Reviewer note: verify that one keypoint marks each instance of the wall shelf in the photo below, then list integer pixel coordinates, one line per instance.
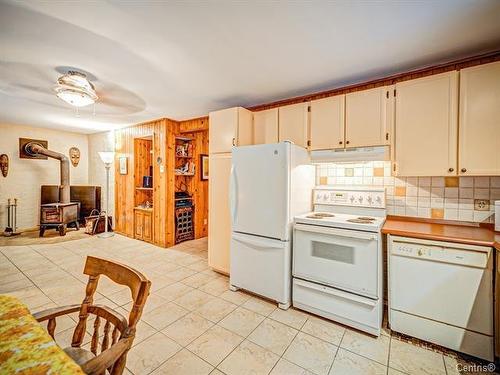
(144, 188)
(185, 174)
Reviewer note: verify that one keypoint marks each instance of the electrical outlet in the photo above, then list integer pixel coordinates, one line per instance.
(205, 222)
(481, 205)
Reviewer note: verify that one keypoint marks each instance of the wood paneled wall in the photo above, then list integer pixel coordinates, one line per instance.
(386, 81)
(163, 132)
(198, 130)
(194, 125)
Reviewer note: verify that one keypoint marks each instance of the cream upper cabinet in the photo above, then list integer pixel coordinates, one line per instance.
(327, 123)
(367, 118)
(426, 126)
(293, 123)
(265, 126)
(230, 127)
(479, 120)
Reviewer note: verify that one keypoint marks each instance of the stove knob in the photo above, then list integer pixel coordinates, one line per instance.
(352, 198)
(360, 199)
(325, 197)
(369, 199)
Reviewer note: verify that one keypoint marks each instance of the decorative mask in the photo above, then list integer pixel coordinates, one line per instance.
(4, 164)
(74, 155)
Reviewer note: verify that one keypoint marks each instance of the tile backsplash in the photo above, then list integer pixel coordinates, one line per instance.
(450, 198)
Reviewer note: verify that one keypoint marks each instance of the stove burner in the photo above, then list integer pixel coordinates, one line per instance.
(362, 220)
(319, 215)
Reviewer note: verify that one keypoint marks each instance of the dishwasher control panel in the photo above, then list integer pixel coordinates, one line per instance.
(413, 249)
(446, 253)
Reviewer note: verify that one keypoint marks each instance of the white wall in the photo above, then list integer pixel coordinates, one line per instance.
(97, 173)
(27, 175)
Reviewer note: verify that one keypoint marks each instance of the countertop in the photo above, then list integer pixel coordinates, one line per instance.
(466, 233)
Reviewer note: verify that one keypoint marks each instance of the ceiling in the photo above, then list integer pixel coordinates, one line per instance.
(182, 59)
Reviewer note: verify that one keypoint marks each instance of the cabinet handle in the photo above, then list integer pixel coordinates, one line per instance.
(346, 142)
(234, 141)
(340, 142)
(463, 170)
(450, 169)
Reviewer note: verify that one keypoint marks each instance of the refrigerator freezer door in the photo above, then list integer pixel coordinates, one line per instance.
(260, 192)
(262, 266)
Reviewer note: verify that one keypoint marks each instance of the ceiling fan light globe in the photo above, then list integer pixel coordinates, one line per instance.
(75, 89)
(74, 98)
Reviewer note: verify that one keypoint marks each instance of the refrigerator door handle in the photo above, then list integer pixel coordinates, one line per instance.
(233, 199)
(256, 242)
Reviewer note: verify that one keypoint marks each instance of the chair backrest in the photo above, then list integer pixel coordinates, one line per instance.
(123, 275)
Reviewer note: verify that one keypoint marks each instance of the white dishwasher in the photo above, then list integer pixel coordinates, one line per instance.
(442, 292)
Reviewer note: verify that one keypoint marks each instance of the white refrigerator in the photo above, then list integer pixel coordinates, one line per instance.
(269, 185)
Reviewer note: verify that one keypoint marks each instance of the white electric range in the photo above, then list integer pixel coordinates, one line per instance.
(337, 257)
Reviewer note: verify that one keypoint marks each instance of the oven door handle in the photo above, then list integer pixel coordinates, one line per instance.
(338, 293)
(336, 232)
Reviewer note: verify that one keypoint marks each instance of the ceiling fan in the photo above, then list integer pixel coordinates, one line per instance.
(35, 83)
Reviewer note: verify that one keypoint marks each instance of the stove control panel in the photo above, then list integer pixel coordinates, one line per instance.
(355, 198)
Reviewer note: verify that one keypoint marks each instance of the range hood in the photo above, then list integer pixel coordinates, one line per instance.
(378, 153)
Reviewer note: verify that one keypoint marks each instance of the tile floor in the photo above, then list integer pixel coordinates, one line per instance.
(193, 324)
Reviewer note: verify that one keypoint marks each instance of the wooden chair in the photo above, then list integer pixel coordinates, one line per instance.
(113, 351)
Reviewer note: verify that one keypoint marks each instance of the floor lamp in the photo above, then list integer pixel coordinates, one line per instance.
(107, 158)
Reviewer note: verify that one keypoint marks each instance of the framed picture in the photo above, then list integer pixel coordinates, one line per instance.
(123, 164)
(204, 166)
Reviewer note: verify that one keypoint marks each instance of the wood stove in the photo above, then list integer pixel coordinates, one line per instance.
(59, 216)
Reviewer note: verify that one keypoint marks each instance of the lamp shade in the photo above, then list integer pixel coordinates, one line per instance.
(107, 157)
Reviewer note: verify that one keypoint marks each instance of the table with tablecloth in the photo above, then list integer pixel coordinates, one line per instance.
(26, 347)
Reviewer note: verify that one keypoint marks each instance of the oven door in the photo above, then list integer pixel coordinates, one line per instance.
(341, 258)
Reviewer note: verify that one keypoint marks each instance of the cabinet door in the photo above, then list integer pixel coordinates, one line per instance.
(327, 123)
(219, 221)
(245, 127)
(265, 126)
(479, 127)
(293, 121)
(229, 127)
(366, 118)
(223, 130)
(426, 126)
(147, 227)
(138, 224)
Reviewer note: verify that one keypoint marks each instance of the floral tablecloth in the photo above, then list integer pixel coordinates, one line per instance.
(25, 346)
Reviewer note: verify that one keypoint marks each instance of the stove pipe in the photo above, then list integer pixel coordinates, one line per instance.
(34, 148)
